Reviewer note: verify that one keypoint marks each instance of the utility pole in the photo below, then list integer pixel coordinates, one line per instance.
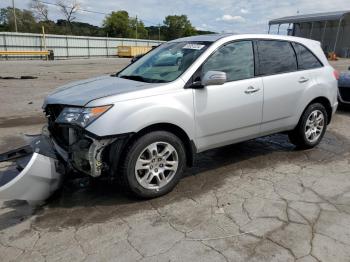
(136, 28)
(159, 32)
(14, 14)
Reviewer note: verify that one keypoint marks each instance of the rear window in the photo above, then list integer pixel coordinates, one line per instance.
(306, 59)
(276, 57)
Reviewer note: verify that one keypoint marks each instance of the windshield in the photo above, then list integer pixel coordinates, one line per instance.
(165, 63)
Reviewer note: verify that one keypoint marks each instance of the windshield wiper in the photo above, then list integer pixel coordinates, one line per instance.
(134, 77)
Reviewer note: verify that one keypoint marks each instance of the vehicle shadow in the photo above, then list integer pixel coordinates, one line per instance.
(79, 203)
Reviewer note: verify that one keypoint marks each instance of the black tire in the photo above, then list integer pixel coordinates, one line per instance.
(131, 154)
(298, 135)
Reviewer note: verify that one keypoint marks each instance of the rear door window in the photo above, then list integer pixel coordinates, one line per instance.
(276, 57)
(306, 59)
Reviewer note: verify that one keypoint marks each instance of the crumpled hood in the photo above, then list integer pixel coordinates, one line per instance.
(82, 92)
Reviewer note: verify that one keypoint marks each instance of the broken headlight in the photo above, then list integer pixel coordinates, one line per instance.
(81, 116)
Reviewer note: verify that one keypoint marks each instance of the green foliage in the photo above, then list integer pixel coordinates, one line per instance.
(120, 24)
(76, 28)
(3, 16)
(116, 24)
(177, 26)
(27, 23)
(25, 20)
(142, 32)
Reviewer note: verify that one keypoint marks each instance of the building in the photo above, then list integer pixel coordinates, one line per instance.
(332, 29)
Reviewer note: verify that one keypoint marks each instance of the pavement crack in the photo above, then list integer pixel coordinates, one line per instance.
(167, 219)
(216, 250)
(80, 245)
(336, 240)
(325, 199)
(165, 251)
(290, 251)
(128, 236)
(222, 237)
(244, 209)
(313, 225)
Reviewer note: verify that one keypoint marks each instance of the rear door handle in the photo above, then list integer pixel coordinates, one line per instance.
(251, 90)
(303, 79)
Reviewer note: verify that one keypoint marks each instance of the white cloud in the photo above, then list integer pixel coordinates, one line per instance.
(249, 16)
(231, 18)
(204, 27)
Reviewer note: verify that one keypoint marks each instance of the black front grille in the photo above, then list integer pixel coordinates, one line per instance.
(53, 111)
(345, 93)
(59, 132)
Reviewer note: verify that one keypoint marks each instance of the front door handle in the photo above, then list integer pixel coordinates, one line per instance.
(251, 90)
(303, 79)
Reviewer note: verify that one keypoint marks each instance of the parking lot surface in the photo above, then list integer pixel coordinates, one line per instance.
(260, 200)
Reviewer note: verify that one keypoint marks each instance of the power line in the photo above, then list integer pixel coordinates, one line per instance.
(80, 9)
(103, 13)
(93, 12)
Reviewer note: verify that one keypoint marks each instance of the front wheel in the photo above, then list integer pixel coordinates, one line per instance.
(153, 164)
(311, 127)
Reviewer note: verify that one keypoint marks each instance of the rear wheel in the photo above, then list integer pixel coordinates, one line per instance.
(311, 127)
(153, 164)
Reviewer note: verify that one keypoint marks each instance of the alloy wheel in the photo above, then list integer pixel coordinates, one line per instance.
(314, 126)
(156, 165)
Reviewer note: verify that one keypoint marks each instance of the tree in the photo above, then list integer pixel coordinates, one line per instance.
(120, 24)
(69, 8)
(3, 16)
(117, 24)
(40, 10)
(25, 20)
(141, 30)
(177, 26)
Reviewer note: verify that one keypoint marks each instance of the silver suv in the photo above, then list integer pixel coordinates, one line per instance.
(145, 124)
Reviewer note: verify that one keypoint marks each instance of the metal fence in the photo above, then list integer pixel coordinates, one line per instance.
(68, 46)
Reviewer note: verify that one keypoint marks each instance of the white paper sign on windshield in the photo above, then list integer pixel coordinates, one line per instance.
(193, 46)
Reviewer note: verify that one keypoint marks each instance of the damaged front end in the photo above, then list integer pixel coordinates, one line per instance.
(81, 150)
(61, 149)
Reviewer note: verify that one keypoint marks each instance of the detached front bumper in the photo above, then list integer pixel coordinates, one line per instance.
(37, 175)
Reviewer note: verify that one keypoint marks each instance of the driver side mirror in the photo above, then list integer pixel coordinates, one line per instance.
(214, 78)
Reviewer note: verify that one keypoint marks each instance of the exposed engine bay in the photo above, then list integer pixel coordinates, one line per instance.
(78, 148)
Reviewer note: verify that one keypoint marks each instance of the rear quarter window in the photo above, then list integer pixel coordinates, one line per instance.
(306, 59)
(276, 57)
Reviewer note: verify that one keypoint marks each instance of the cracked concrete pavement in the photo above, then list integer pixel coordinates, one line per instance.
(260, 200)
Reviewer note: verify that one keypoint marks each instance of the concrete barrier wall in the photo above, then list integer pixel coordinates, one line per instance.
(69, 46)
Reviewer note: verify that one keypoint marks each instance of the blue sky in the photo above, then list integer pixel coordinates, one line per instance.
(249, 16)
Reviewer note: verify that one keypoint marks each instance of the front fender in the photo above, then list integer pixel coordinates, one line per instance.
(131, 116)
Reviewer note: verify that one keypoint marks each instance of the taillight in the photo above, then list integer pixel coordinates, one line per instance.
(336, 74)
